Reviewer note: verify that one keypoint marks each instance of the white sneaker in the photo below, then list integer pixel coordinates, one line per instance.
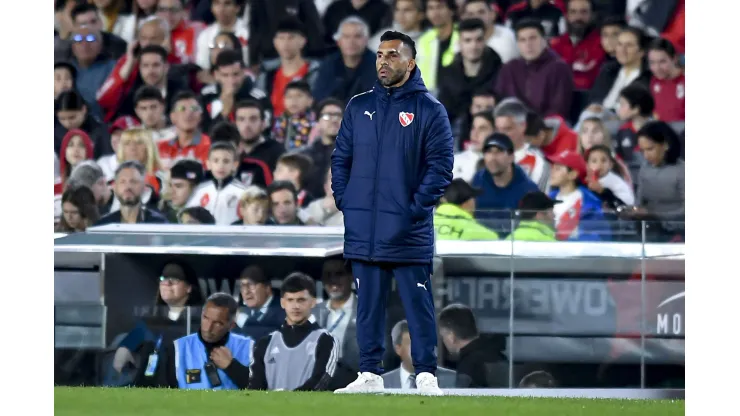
(426, 384)
(366, 383)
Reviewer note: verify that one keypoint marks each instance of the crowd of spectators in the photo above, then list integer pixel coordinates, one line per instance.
(226, 111)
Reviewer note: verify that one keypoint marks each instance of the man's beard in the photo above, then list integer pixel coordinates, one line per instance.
(394, 78)
(252, 140)
(578, 29)
(130, 202)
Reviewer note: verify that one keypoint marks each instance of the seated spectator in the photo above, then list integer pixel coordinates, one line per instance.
(295, 168)
(668, 84)
(474, 67)
(537, 380)
(350, 71)
(497, 37)
(461, 338)
(276, 74)
(189, 141)
(438, 45)
(552, 135)
(58, 189)
(214, 358)
(150, 107)
(614, 191)
(76, 148)
(408, 18)
(615, 76)
(137, 144)
(636, 107)
(183, 32)
(548, 89)
(263, 313)
(227, 17)
(109, 163)
(283, 204)
(580, 47)
(511, 120)
(166, 322)
(293, 127)
(611, 27)
(666, 19)
(330, 113)
(86, 14)
(502, 181)
(338, 313)
(71, 112)
(184, 177)
(254, 206)
(483, 100)
(324, 211)
(195, 216)
(661, 185)
(300, 355)
(453, 218)
(114, 20)
(258, 153)
(469, 161)
(79, 210)
(550, 16)
(89, 174)
(65, 76)
(232, 85)
(93, 65)
(536, 218)
(128, 187)
(376, 13)
(224, 41)
(579, 217)
(593, 132)
(220, 192)
(404, 377)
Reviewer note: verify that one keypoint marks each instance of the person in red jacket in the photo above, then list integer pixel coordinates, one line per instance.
(668, 83)
(183, 32)
(580, 47)
(552, 135)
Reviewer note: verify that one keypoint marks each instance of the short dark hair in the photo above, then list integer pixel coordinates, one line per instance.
(299, 161)
(298, 282)
(662, 133)
(148, 92)
(535, 124)
(488, 115)
(200, 214)
(228, 57)
(223, 131)
(277, 186)
(662, 44)
(639, 96)
(469, 25)
(223, 145)
(290, 25)
(82, 198)
(476, 1)
(69, 101)
(184, 95)
(639, 34)
(251, 104)
(484, 92)
(299, 84)
(404, 38)
(131, 164)
(529, 23)
(614, 20)
(223, 300)
(459, 319)
(82, 8)
(329, 101)
(255, 274)
(154, 49)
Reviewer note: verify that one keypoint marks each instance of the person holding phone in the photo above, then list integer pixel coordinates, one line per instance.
(214, 358)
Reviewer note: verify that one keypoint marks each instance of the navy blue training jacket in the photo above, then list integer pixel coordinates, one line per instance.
(392, 163)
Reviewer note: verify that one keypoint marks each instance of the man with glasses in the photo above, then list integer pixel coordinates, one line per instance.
(86, 14)
(261, 313)
(190, 141)
(330, 113)
(93, 65)
(183, 32)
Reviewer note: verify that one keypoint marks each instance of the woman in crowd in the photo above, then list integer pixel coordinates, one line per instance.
(254, 206)
(124, 25)
(79, 210)
(70, 112)
(137, 143)
(668, 84)
(593, 132)
(76, 148)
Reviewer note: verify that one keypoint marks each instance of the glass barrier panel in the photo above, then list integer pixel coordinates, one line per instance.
(78, 338)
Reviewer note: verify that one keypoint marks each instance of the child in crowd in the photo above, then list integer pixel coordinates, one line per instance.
(636, 107)
(254, 206)
(293, 167)
(185, 176)
(76, 147)
(614, 191)
(593, 132)
(293, 127)
(220, 192)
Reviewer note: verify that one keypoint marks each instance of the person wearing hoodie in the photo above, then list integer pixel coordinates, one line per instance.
(453, 218)
(579, 217)
(220, 192)
(503, 183)
(71, 112)
(76, 148)
(408, 18)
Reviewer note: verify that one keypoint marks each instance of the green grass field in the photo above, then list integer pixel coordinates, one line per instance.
(152, 402)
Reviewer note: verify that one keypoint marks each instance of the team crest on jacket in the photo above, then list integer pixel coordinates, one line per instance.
(204, 200)
(405, 118)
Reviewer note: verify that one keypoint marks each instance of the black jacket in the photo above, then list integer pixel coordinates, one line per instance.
(320, 154)
(146, 216)
(376, 13)
(264, 16)
(270, 321)
(335, 80)
(127, 107)
(293, 335)
(605, 80)
(472, 364)
(112, 44)
(256, 167)
(456, 89)
(95, 128)
(211, 98)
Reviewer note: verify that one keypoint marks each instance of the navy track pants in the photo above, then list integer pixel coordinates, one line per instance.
(414, 284)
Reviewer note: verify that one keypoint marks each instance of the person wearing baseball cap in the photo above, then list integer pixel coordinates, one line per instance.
(503, 182)
(579, 217)
(109, 163)
(453, 218)
(185, 175)
(536, 218)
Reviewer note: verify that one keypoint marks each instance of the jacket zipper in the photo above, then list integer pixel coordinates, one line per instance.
(377, 172)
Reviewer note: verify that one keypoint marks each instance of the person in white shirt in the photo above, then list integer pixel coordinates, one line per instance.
(408, 18)
(510, 116)
(226, 13)
(404, 377)
(220, 192)
(498, 37)
(469, 161)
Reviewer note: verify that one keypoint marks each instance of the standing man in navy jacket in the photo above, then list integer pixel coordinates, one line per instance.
(392, 163)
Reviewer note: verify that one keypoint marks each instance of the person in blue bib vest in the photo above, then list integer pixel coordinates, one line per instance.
(213, 358)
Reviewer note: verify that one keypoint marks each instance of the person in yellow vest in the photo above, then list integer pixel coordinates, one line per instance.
(453, 218)
(437, 46)
(536, 216)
